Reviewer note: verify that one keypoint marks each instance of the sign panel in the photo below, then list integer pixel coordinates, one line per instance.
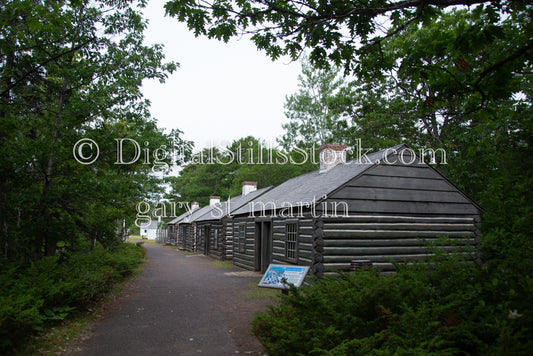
(280, 276)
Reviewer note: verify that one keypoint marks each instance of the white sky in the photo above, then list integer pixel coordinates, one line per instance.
(221, 91)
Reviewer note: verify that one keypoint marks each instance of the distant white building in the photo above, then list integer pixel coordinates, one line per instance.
(149, 230)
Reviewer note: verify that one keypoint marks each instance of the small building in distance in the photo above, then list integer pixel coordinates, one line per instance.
(148, 230)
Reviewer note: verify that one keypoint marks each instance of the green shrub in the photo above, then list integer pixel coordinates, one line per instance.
(42, 293)
(447, 308)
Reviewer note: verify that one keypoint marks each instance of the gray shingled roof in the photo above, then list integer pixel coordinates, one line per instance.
(178, 219)
(152, 225)
(234, 203)
(188, 215)
(195, 214)
(203, 213)
(314, 186)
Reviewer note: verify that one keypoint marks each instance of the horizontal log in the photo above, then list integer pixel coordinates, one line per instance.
(393, 242)
(399, 226)
(378, 258)
(243, 265)
(278, 250)
(243, 256)
(279, 256)
(331, 267)
(352, 234)
(308, 256)
(278, 260)
(304, 261)
(305, 246)
(383, 266)
(400, 207)
(306, 240)
(383, 250)
(307, 220)
(354, 218)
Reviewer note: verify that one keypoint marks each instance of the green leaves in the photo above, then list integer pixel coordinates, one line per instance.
(339, 32)
(71, 71)
(316, 110)
(446, 308)
(220, 172)
(38, 296)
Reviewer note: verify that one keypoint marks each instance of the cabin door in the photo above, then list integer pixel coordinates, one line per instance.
(263, 245)
(207, 239)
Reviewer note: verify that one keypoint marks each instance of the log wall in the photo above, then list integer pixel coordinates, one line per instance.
(243, 254)
(216, 238)
(381, 239)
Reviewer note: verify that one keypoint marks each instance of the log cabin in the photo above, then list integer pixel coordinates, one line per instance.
(378, 208)
(179, 228)
(214, 227)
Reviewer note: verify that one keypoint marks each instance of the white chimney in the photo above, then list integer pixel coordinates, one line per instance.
(331, 155)
(248, 187)
(214, 200)
(195, 205)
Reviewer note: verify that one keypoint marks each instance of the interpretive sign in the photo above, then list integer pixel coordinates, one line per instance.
(281, 276)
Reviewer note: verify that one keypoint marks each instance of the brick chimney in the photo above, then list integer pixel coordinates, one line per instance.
(331, 154)
(248, 187)
(195, 205)
(214, 200)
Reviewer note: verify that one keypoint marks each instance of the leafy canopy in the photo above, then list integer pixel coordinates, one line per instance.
(71, 71)
(220, 172)
(342, 32)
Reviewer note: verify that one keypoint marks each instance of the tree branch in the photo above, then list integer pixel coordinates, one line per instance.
(517, 54)
(51, 59)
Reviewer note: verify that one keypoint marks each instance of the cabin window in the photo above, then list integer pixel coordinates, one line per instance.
(242, 237)
(291, 242)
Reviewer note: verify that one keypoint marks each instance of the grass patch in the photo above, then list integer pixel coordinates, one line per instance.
(186, 252)
(171, 247)
(59, 339)
(255, 292)
(134, 237)
(148, 242)
(221, 264)
(137, 239)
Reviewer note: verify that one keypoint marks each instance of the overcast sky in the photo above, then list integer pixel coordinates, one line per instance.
(222, 91)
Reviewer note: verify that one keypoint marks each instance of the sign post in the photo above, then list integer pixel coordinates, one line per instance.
(282, 276)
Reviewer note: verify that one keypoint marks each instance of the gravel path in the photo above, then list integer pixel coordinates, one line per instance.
(179, 305)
